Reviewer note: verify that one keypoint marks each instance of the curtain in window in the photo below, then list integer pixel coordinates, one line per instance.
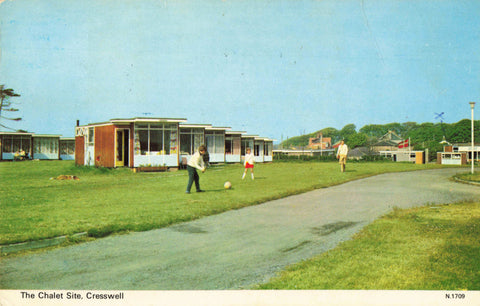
(219, 144)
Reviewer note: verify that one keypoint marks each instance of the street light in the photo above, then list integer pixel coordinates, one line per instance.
(472, 105)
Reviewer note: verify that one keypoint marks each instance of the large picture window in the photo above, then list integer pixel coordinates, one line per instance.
(246, 143)
(268, 149)
(155, 139)
(232, 145)
(67, 147)
(15, 143)
(190, 140)
(215, 142)
(45, 145)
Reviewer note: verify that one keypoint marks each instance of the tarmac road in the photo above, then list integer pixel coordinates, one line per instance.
(236, 249)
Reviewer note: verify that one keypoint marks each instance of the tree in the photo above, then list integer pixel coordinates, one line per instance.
(374, 130)
(356, 140)
(6, 104)
(347, 130)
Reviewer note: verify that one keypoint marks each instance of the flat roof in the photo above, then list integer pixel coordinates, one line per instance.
(16, 133)
(235, 132)
(194, 125)
(218, 128)
(148, 119)
(136, 119)
(46, 135)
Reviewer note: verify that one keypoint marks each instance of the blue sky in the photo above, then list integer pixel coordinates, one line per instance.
(273, 68)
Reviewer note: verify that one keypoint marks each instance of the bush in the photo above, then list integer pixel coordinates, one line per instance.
(289, 158)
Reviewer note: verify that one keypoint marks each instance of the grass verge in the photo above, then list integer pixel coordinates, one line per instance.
(426, 248)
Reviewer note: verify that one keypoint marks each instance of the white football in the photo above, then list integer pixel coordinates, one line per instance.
(227, 185)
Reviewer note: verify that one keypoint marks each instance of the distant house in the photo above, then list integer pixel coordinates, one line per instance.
(388, 142)
(417, 157)
(319, 142)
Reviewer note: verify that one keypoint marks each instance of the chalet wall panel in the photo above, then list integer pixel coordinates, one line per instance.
(105, 146)
(80, 150)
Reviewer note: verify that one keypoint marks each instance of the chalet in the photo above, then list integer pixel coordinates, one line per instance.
(129, 142)
(30, 145)
(14, 142)
(165, 142)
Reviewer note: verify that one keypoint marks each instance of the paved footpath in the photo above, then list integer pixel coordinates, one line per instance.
(236, 249)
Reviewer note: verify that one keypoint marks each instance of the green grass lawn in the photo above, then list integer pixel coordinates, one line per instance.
(426, 248)
(106, 201)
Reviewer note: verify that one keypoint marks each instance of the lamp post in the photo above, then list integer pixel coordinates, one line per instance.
(472, 105)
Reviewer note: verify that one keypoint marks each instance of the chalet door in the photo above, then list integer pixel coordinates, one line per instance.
(121, 150)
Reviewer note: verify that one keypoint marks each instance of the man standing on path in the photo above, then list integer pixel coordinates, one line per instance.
(342, 155)
(196, 162)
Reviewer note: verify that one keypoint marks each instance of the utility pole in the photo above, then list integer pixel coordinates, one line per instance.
(472, 105)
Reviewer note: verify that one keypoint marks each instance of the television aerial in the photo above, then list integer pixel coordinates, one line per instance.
(440, 116)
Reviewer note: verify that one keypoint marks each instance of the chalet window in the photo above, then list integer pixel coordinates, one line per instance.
(257, 150)
(246, 143)
(268, 149)
(215, 142)
(229, 145)
(15, 143)
(91, 136)
(190, 140)
(67, 147)
(155, 139)
(45, 145)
